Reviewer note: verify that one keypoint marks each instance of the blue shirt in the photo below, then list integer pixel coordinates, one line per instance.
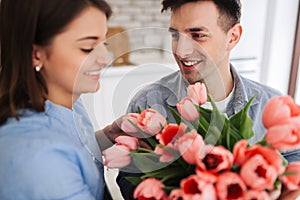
(50, 155)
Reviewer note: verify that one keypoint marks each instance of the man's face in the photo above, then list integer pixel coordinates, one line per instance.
(200, 45)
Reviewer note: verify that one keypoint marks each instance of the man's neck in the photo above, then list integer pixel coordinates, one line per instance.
(220, 84)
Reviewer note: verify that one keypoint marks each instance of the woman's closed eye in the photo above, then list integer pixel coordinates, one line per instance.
(87, 50)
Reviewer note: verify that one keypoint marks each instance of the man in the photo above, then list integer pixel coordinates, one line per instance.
(203, 34)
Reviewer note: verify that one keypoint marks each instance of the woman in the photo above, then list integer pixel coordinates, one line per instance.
(51, 53)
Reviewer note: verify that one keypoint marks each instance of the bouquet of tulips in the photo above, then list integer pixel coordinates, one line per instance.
(206, 155)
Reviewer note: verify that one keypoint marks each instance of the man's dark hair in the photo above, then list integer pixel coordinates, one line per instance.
(229, 10)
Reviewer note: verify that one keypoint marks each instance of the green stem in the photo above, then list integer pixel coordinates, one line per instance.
(145, 150)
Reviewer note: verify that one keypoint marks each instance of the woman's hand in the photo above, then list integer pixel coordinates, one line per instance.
(106, 137)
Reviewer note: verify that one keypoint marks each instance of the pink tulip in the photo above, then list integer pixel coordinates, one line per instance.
(292, 181)
(130, 142)
(257, 195)
(239, 150)
(170, 133)
(230, 186)
(206, 175)
(189, 146)
(175, 194)
(272, 157)
(165, 155)
(258, 174)
(193, 187)
(126, 126)
(150, 188)
(187, 109)
(215, 159)
(117, 156)
(285, 136)
(151, 121)
(279, 109)
(197, 92)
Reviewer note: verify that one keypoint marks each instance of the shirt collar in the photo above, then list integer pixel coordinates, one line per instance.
(241, 97)
(178, 87)
(59, 112)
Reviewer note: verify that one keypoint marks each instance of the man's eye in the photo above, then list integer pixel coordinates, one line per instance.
(86, 50)
(175, 35)
(197, 35)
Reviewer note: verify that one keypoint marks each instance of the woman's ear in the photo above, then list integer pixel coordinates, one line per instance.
(234, 35)
(37, 56)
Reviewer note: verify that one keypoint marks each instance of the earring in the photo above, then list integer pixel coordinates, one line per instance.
(38, 68)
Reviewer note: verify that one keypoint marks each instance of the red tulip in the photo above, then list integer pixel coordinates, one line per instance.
(175, 194)
(193, 187)
(170, 133)
(272, 157)
(258, 174)
(215, 159)
(230, 186)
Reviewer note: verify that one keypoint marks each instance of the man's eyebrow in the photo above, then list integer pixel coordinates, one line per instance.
(196, 29)
(172, 30)
(190, 30)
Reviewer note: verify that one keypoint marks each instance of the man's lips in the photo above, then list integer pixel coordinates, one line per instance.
(189, 64)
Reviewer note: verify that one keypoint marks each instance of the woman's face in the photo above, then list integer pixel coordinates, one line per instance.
(72, 63)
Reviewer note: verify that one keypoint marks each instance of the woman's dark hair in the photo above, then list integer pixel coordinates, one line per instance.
(23, 24)
(229, 10)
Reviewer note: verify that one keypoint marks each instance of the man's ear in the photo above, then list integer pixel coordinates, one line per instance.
(234, 35)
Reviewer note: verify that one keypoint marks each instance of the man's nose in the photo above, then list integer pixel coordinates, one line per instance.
(183, 47)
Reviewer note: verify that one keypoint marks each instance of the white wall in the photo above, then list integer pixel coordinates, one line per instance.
(279, 41)
(297, 93)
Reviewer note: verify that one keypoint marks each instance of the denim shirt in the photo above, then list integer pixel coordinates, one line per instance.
(50, 155)
(169, 90)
